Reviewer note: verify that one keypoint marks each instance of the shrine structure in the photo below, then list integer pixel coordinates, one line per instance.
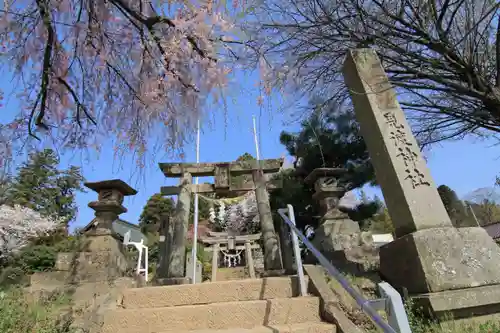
(173, 267)
(222, 242)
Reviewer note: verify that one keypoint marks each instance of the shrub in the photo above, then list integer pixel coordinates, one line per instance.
(40, 256)
(10, 276)
(207, 271)
(19, 313)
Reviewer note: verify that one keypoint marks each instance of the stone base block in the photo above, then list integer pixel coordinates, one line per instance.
(462, 305)
(171, 281)
(60, 278)
(102, 241)
(91, 261)
(336, 235)
(102, 253)
(274, 273)
(440, 259)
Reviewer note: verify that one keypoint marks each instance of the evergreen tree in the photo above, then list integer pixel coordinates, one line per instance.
(367, 209)
(455, 208)
(203, 207)
(297, 194)
(329, 138)
(487, 212)
(448, 196)
(41, 186)
(382, 223)
(157, 207)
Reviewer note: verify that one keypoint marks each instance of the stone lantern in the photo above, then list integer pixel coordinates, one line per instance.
(337, 233)
(109, 203)
(107, 209)
(328, 191)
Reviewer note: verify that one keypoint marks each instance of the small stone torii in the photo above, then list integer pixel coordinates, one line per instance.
(173, 267)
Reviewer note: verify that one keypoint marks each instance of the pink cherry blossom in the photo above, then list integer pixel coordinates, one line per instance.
(19, 225)
(131, 70)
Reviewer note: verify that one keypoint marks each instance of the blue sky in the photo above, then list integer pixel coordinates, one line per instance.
(464, 166)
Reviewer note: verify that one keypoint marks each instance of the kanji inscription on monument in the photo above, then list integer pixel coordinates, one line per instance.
(408, 188)
(406, 151)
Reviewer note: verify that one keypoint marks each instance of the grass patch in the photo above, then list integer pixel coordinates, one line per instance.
(21, 313)
(418, 323)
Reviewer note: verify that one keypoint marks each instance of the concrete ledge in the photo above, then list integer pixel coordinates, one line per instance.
(171, 281)
(58, 278)
(329, 305)
(231, 274)
(273, 273)
(247, 314)
(212, 292)
(462, 303)
(295, 328)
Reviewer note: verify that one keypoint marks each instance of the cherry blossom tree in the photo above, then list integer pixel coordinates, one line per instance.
(126, 69)
(238, 217)
(443, 57)
(19, 225)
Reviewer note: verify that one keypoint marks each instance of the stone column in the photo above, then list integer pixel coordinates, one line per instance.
(249, 259)
(178, 227)
(271, 255)
(409, 191)
(177, 261)
(215, 261)
(429, 257)
(285, 245)
(165, 241)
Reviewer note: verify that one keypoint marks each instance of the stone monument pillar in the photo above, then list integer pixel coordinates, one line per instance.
(450, 270)
(164, 244)
(337, 233)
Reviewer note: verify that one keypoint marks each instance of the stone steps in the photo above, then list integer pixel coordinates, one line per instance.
(295, 328)
(211, 292)
(227, 315)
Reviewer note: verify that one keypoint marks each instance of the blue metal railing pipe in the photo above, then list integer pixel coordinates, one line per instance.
(360, 300)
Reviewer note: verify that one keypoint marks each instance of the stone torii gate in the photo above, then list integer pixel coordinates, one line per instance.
(222, 173)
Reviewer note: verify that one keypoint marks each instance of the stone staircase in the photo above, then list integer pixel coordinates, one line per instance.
(268, 305)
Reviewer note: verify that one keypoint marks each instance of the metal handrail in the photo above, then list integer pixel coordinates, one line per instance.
(360, 300)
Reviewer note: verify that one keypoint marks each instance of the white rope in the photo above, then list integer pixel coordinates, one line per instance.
(227, 201)
(231, 260)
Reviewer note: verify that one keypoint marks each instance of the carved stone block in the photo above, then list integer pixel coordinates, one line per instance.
(222, 177)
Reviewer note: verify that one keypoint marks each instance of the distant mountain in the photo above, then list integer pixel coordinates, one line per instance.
(479, 195)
